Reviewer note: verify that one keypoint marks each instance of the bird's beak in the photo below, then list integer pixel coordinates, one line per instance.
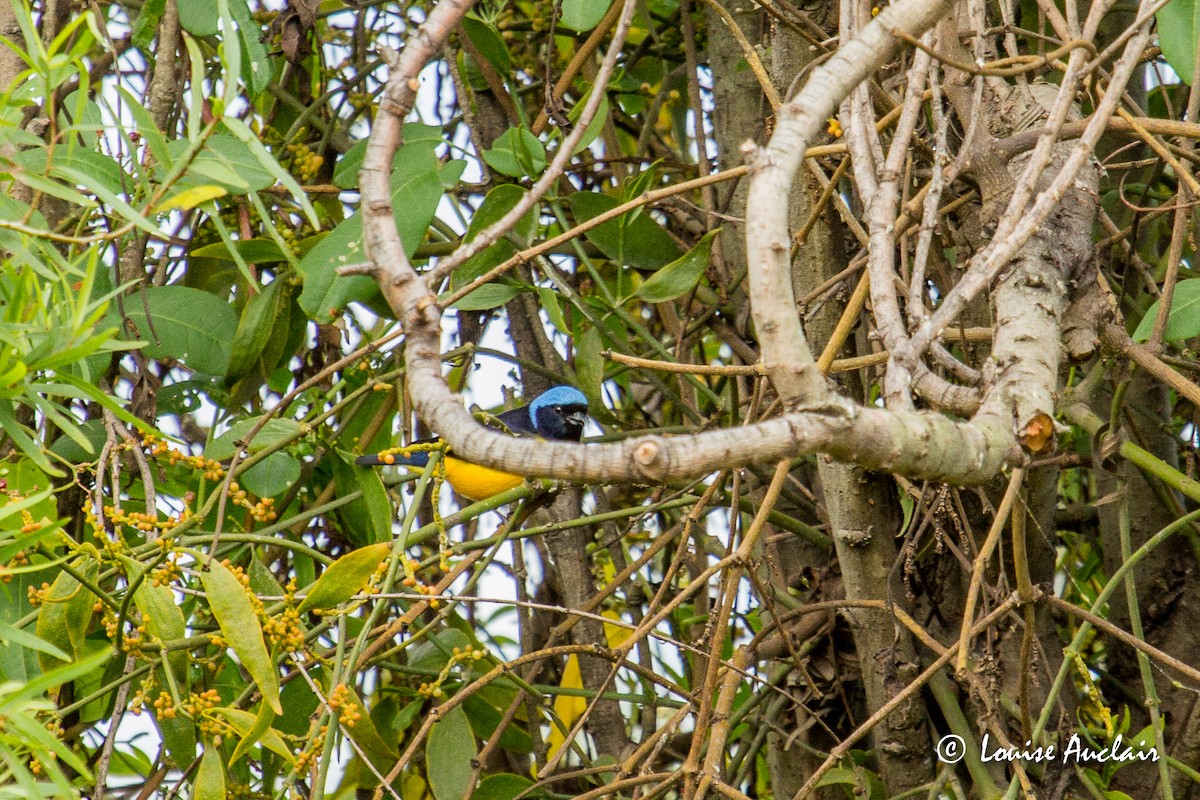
(577, 418)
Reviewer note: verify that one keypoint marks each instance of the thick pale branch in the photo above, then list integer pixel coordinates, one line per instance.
(1020, 223)
(785, 351)
(918, 444)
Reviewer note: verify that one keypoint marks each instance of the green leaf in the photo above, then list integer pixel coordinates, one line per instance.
(272, 476)
(549, 301)
(345, 577)
(517, 153)
(185, 324)
(65, 673)
(488, 42)
(504, 786)
(258, 151)
(490, 295)
(146, 23)
(246, 725)
(594, 127)
(1183, 321)
(259, 319)
(589, 365)
(680, 276)
(379, 508)
(415, 136)
(21, 438)
(583, 15)
(364, 733)
(210, 778)
(241, 630)
(638, 242)
(199, 18)
(77, 165)
(449, 754)
(262, 724)
(256, 61)
(500, 201)
(162, 617)
(179, 738)
(66, 613)
(256, 251)
(1179, 36)
(416, 191)
(273, 432)
(11, 635)
(223, 160)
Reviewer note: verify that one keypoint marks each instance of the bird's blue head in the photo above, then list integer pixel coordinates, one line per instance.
(559, 413)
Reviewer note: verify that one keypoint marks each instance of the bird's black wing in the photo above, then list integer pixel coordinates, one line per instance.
(517, 421)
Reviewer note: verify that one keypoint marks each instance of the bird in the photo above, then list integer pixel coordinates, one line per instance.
(558, 413)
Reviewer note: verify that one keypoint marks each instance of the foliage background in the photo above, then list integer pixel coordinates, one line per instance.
(185, 379)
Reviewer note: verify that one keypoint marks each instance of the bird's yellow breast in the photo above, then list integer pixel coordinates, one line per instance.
(476, 482)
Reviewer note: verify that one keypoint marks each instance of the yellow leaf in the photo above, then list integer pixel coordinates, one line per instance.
(190, 198)
(570, 708)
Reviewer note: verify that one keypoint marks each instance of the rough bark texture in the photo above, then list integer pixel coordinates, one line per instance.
(864, 518)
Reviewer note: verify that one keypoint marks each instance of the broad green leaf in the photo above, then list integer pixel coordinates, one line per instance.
(364, 733)
(28, 489)
(256, 61)
(1183, 321)
(274, 431)
(223, 160)
(500, 201)
(594, 127)
(517, 153)
(416, 191)
(241, 630)
(589, 365)
(272, 476)
(199, 18)
(65, 673)
(486, 717)
(258, 320)
(583, 15)
(488, 42)
(415, 136)
(179, 738)
(640, 242)
(256, 251)
(490, 295)
(449, 754)
(186, 324)
(162, 617)
(680, 276)
(345, 577)
(504, 786)
(65, 614)
(1179, 36)
(210, 778)
(77, 165)
(379, 508)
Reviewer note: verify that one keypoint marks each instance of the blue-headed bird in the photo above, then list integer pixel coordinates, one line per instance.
(558, 413)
